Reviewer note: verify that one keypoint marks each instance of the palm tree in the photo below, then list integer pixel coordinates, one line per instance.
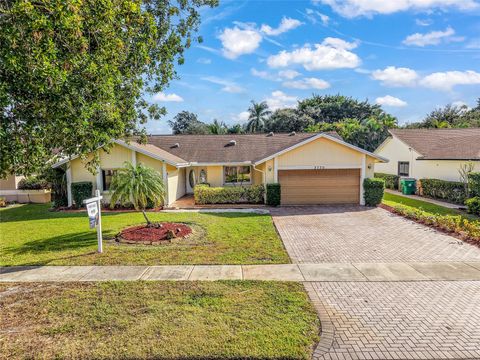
(139, 185)
(258, 114)
(217, 127)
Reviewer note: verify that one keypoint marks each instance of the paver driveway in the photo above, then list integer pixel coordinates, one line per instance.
(359, 234)
(384, 320)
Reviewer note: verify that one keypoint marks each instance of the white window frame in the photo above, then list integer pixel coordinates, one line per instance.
(236, 183)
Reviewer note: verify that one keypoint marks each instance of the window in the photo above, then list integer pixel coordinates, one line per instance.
(403, 168)
(107, 176)
(237, 174)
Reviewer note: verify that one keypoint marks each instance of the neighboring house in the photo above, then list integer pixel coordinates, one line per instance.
(429, 153)
(312, 168)
(10, 192)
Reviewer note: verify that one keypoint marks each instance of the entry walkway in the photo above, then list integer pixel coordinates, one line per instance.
(325, 272)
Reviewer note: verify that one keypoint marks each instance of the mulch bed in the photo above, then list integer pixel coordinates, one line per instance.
(154, 234)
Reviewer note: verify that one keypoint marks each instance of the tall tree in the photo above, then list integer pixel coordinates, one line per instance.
(451, 116)
(217, 127)
(73, 72)
(186, 122)
(258, 113)
(236, 129)
(287, 120)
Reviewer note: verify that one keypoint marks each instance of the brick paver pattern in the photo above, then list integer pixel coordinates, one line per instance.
(402, 320)
(359, 234)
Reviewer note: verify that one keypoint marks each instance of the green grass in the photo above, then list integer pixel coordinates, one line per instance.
(32, 235)
(157, 320)
(393, 200)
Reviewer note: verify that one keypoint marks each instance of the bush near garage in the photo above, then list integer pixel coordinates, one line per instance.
(451, 191)
(391, 181)
(474, 184)
(473, 205)
(33, 183)
(464, 228)
(81, 191)
(373, 191)
(273, 194)
(204, 194)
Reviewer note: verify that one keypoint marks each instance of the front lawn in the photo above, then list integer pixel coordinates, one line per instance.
(157, 320)
(32, 235)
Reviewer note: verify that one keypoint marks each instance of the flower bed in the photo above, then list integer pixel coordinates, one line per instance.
(155, 234)
(462, 228)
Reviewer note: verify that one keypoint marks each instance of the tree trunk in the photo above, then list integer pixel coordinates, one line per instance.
(146, 218)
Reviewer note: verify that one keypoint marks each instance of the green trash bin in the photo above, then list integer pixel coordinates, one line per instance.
(408, 186)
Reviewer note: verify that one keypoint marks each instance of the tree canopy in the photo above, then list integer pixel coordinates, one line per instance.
(73, 73)
(186, 122)
(258, 113)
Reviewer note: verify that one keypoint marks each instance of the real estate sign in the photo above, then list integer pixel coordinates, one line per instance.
(95, 216)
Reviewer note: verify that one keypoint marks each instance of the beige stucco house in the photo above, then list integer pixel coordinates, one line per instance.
(10, 192)
(429, 153)
(312, 168)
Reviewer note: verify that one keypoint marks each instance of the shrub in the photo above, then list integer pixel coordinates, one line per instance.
(81, 191)
(452, 191)
(473, 205)
(463, 227)
(373, 191)
(474, 184)
(391, 181)
(33, 183)
(228, 195)
(3, 202)
(273, 194)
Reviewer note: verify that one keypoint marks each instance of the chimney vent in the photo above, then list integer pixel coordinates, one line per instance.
(176, 145)
(270, 133)
(293, 133)
(232, 142)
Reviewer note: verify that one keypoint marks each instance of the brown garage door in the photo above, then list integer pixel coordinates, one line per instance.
(330, 186)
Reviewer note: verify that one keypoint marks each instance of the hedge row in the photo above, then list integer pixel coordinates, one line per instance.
(229, 195)
(474, 184)
(273, 194)
(373, 191)
(452, 191)
(81, 191)
(33, 183)
(469, 230)
(391, 181)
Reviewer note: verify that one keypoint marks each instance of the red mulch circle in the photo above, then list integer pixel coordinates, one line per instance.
(153, 234)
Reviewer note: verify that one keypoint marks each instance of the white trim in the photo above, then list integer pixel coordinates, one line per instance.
(144, 152)
(326, 136)
(319, 167)
(99, 179)
(237, 183)
(63, 161)
(275, 169)
(68, 174)
(237, 163)
(362, 177)
(384, 142)
(165, 182)
(134, 157)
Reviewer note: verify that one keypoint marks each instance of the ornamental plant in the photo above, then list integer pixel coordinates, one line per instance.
(138, 185)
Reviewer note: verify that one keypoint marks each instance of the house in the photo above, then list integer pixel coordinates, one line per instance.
(312, 168)
(429, 153)
(11, 193)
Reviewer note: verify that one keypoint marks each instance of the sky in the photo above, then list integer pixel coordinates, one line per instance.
(410, 56)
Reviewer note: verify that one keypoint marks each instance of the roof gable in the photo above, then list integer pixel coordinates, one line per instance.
(442, 144)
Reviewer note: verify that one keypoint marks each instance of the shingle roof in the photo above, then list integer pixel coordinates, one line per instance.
(216, 148)
(442, 144)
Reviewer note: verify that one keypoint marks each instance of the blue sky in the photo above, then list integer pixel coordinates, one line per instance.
(408, 55)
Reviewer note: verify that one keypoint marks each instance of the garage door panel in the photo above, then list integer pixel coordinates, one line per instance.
(328, 186)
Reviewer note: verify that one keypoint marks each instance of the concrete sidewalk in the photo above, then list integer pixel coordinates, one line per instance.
(337, 272)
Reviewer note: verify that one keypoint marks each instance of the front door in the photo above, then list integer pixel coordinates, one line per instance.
(191, 179)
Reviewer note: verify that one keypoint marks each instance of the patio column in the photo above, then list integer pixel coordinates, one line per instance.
(99, 179)
(68, 174)
(362, 177)
(134, 157)
(165, 182)
(275, 170)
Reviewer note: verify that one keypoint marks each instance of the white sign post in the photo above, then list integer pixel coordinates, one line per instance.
(95, 216)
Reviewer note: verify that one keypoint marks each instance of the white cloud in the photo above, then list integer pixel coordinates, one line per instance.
(460, 104)
(285, 25)
(447, 80)
(238, 41)
(423, 22)
(162, 97)
(332, 53)
(262, 74)
(354, 8)
(390, 101)
(242, 117)
(288, 74)
(307, 83)
(279, 100)
(312, 15)
(228, 86)
(393, 76)
(432, 38)
(204, 61)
